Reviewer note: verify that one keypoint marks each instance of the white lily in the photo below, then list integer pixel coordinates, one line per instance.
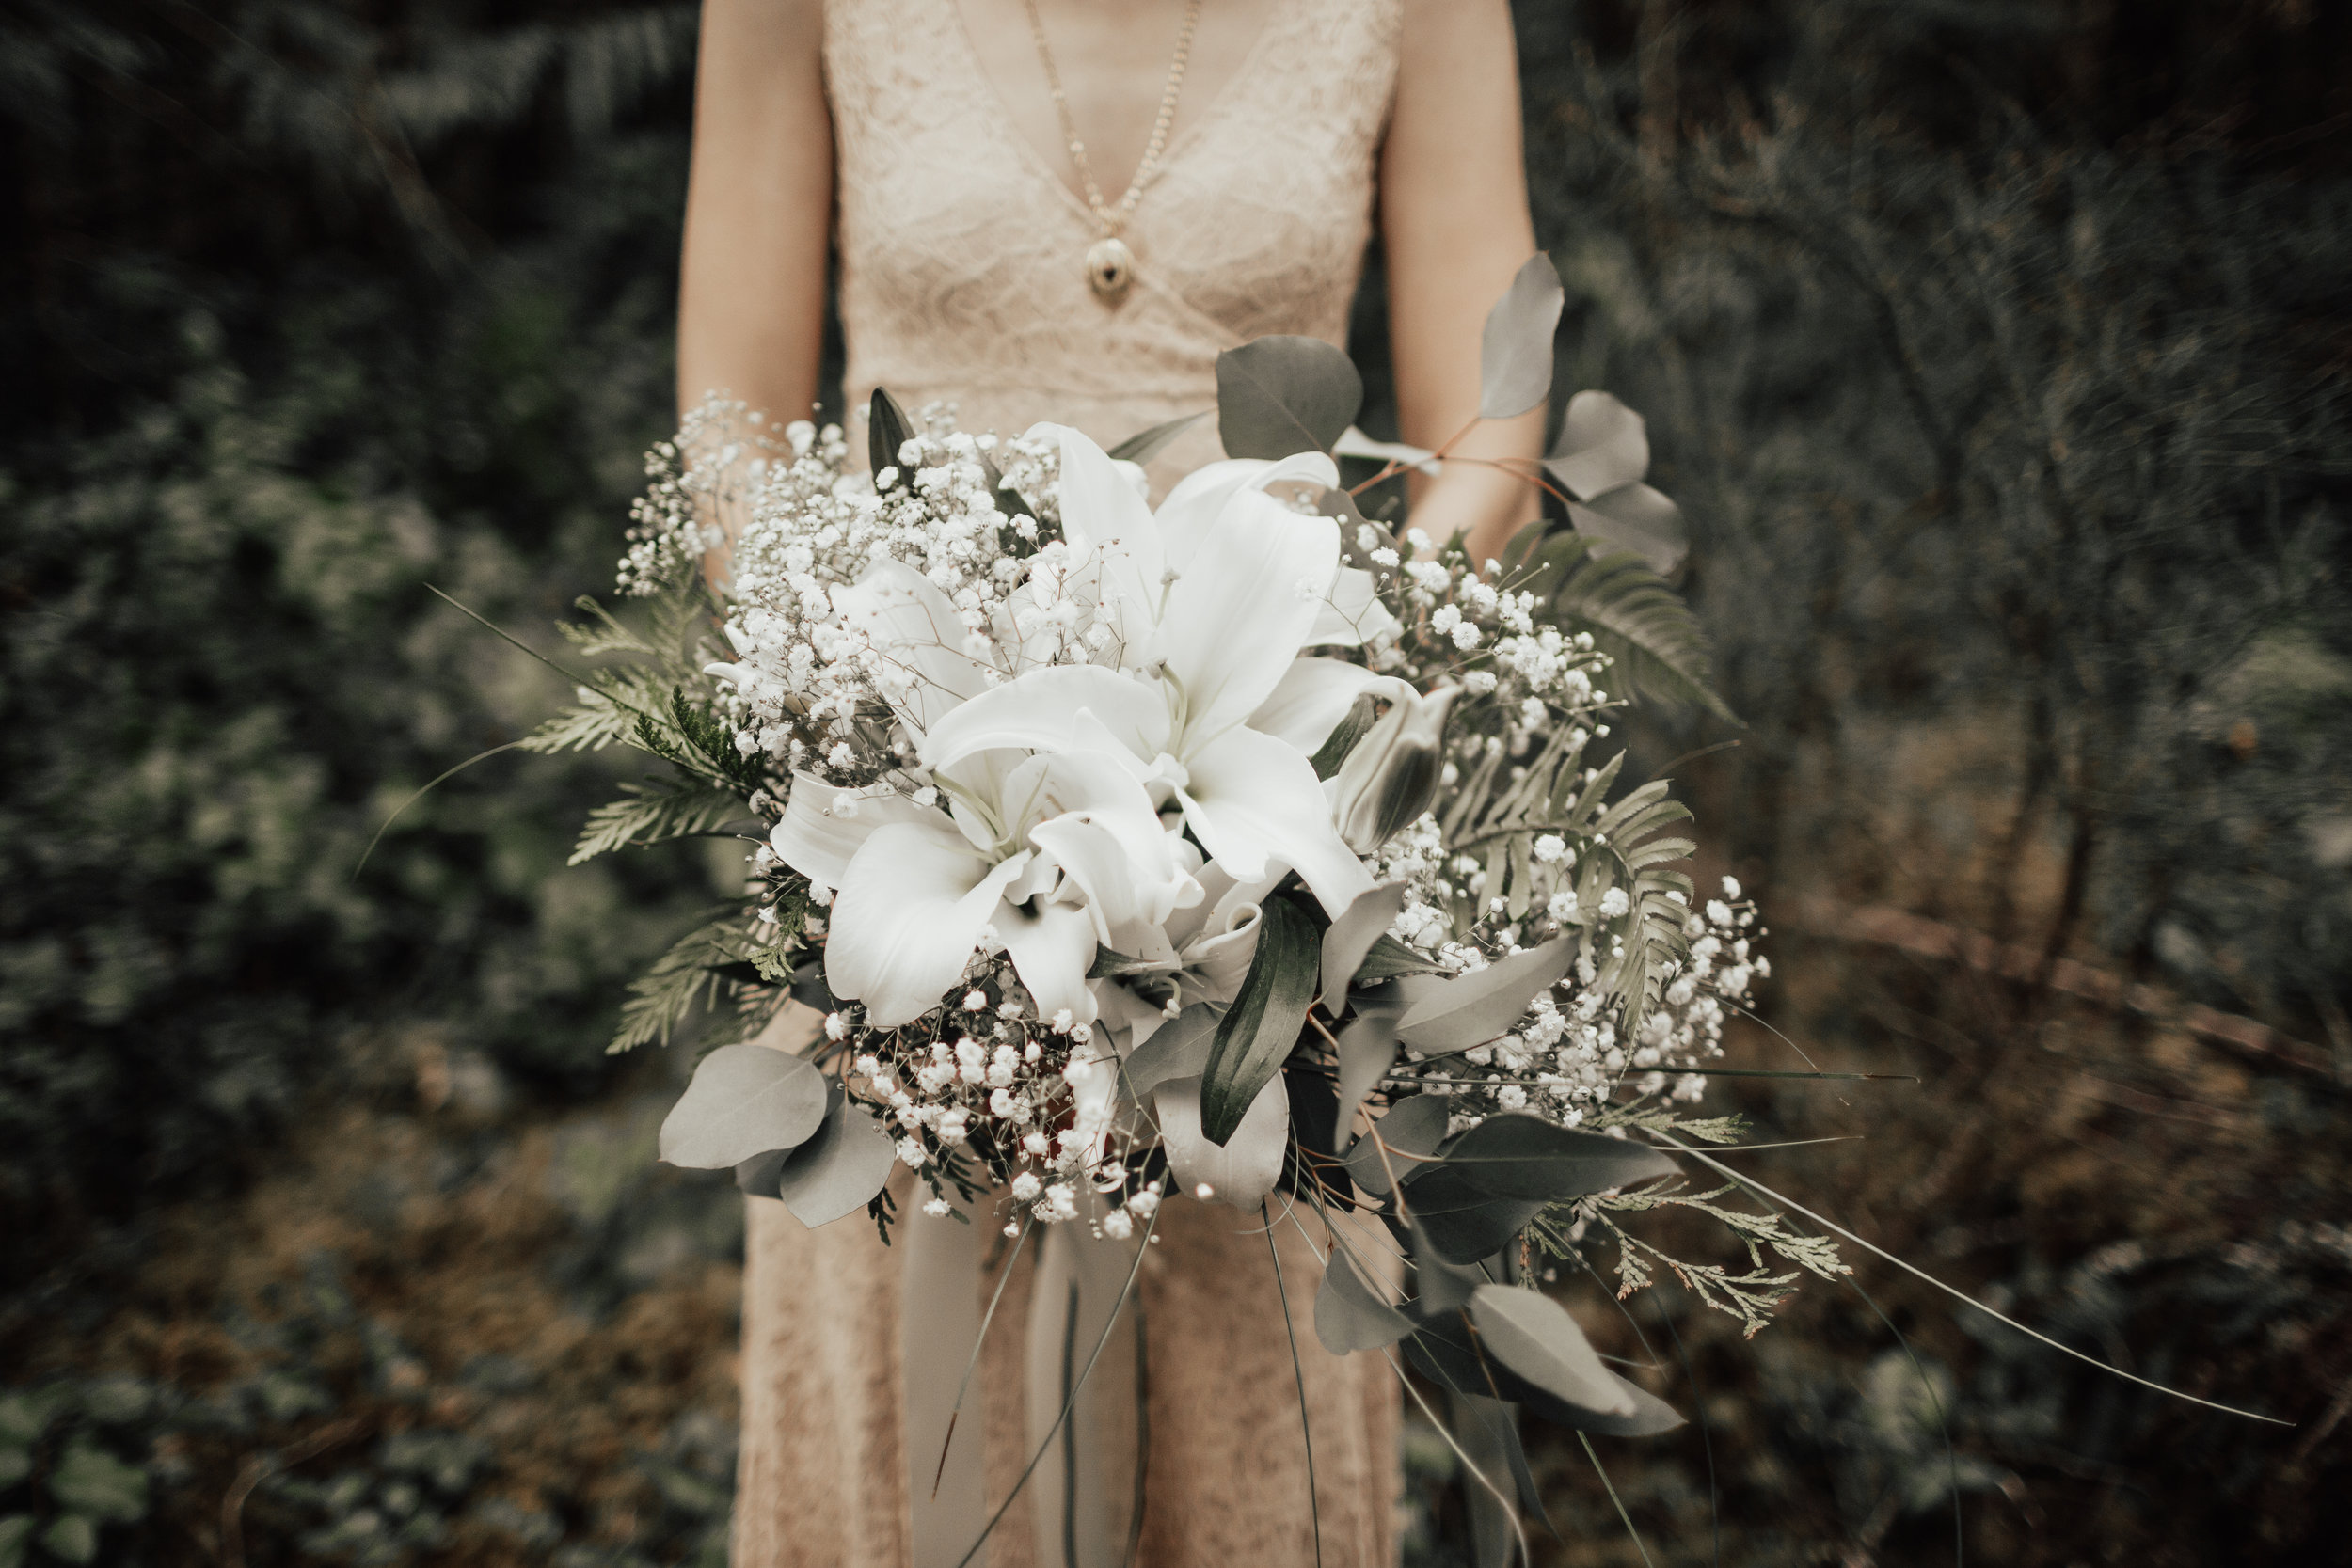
(1224, 632)
(1125, 557)
(1052, 853)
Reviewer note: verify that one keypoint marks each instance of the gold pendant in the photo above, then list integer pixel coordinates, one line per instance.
(1110, 267)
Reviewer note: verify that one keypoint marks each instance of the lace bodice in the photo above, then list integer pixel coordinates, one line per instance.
(961, 251)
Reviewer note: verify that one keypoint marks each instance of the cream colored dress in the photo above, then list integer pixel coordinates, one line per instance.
(963, 280)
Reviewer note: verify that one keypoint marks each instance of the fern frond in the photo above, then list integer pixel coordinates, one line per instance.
(589, 725)
(691, 974)
(1639, 622)
(646, 815)
(603, 633)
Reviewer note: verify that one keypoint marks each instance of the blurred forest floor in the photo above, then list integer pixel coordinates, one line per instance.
(1998, 355)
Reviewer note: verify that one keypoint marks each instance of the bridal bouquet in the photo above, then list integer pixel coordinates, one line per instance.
(1245, 849)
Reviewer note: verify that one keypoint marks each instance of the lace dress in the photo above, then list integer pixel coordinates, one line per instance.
(961, 279)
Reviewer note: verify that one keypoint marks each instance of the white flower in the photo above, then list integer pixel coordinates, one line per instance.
(1615, 903)
(1116, 1225)
(1550, 849)
(1731, 887)
(919, 887)
(1027, 1186)
(1202, 653)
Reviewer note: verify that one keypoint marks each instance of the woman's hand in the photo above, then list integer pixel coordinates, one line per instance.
(1456, 224)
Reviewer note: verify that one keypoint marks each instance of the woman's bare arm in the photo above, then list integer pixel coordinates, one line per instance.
(1456, 224)
(758, 209)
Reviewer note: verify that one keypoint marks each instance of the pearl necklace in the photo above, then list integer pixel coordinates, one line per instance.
(1110, 265)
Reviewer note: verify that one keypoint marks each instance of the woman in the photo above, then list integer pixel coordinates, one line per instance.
(1064, 209)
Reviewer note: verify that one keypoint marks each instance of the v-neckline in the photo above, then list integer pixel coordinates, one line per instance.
(996, 107)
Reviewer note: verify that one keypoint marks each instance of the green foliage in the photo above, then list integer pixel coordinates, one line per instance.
(652, 814)
(64, 1482)
(732, 953)
(1583, 584)
(228, 470)
(1617, 847)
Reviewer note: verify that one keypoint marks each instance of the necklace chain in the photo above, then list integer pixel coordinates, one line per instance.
(1112, 218)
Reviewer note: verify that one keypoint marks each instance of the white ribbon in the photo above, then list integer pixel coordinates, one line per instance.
(939, 1322)
(1082, 1493)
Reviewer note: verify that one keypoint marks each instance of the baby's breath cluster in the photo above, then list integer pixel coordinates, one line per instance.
(809, 687)
(987, 1094)
(1567, 1057)
(699, 485)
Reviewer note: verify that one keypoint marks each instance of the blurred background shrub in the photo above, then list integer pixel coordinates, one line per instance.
(1996, 353)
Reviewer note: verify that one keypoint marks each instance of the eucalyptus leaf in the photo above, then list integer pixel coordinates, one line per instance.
(1638, 519)
(1514, 349)
(839, 1170)
(1413, 1127)
(1258, 1032)
(1471, 1008)
(756, 1175)
(1144, 445)
(1649, 1416)
(1522, 1477)
(745, 1099)
(1515, 1154)
(1465, 1223)
(1443, 1350)
(1536, 1338)
(1439, 1286)
(1479, 1428)
(887, 429)
(1602, 444)
(1367, 1049)
(1351, 1315)
(1281, 395)
(1351, 936)
(1177, 1048)
(16, 1531)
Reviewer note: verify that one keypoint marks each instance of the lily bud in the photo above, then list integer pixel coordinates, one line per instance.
(1390, 777)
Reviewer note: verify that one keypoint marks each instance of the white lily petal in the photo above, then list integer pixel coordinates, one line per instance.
(1352, 615)
(1254, 801)
(1052, 947)
(916, 627)
(1313, 696)
(1102, 514)
(1034, 713)
(818, 842)
(1236, 618)
(1246, 1168)
(1120, 900)
(910, 910)
(1189, 509)
(1219, 963)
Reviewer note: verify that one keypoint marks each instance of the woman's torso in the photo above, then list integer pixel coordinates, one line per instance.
(961, 250)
